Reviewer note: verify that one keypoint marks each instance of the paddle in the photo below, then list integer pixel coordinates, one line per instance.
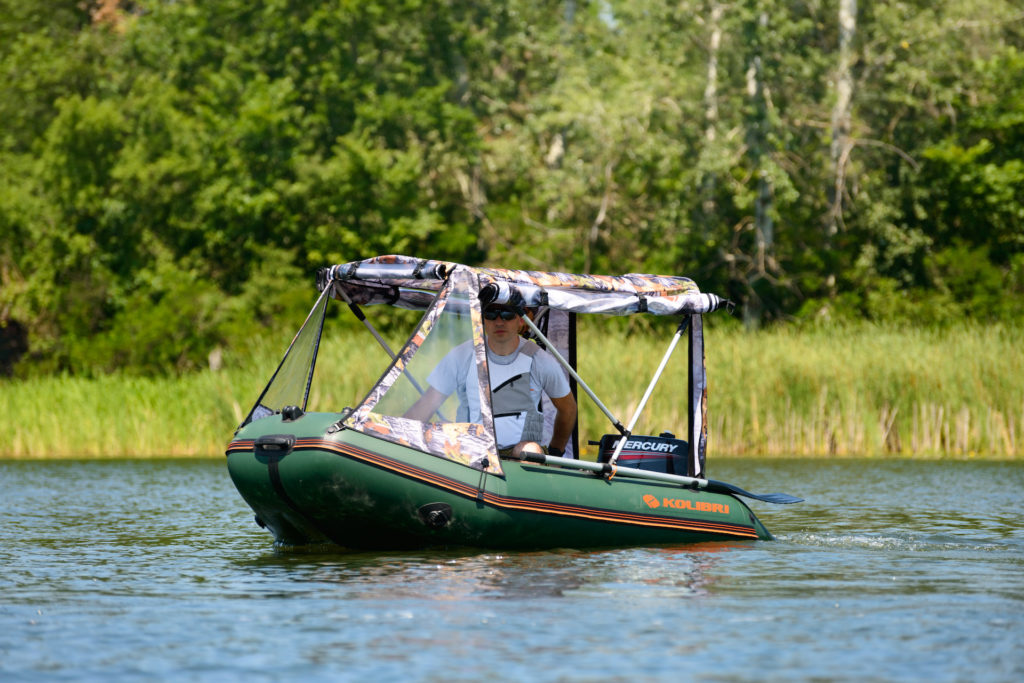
(778, 498)
(708, 484)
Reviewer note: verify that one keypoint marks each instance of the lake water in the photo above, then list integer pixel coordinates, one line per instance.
(145, 570)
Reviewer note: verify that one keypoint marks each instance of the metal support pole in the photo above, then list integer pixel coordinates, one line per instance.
(650, 389)
(358, 312)
(568, 368)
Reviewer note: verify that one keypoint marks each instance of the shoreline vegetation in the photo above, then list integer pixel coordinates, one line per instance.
(831, 391)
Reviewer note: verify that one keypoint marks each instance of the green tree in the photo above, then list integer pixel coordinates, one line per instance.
(169, 169)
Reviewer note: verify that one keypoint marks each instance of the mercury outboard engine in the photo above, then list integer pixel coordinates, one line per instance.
(664, 453)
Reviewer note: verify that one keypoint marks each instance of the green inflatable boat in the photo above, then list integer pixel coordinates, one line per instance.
(386, 474)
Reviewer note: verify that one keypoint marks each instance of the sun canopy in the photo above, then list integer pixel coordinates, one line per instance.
(412, 283)
(458, 423)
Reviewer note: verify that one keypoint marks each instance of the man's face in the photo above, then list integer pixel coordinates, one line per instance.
(500, 328)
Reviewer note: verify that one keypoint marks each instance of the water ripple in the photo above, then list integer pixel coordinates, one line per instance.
(154, 570)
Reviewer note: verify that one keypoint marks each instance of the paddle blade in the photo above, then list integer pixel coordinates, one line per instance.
(777, 498)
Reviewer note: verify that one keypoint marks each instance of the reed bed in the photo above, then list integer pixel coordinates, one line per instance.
(856, 390)
(866, 390)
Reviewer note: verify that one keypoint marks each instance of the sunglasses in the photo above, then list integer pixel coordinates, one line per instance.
(503, 313)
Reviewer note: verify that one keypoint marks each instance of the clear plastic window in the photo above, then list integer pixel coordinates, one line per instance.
(440, 382)
(290, 384)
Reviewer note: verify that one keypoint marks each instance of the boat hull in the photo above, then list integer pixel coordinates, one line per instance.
(353, 490)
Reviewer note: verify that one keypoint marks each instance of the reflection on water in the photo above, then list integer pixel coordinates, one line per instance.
(144, 570)
(460, 575)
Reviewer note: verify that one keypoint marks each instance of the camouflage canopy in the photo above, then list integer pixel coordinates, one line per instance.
(409, 282)
(453, 297)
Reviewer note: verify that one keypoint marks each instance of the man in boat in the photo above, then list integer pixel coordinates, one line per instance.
(519, 371)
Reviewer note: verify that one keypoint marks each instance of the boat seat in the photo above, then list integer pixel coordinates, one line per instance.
(663, 453)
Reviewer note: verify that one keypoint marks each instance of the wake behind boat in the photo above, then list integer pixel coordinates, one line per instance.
(388, 473)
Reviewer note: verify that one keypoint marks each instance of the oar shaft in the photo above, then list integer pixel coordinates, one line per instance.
(706, 484)
(603, 468)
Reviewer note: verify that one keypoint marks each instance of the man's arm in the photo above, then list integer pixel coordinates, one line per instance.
(426, 405)
(565, 420)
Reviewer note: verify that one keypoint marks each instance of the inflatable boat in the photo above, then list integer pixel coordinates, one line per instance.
(375, 475)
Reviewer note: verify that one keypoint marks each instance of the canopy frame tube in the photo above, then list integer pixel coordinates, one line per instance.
(572, 372)
(650, 389)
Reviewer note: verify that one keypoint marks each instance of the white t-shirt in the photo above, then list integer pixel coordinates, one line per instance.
(457, 370)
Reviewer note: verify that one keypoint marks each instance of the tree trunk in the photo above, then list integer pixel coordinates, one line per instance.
(757, 141)
(840, 147)
(708, 185)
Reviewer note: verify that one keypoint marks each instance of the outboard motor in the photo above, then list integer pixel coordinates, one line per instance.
(664, 453)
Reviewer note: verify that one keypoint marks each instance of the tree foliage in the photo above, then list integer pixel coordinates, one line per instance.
(172, 172)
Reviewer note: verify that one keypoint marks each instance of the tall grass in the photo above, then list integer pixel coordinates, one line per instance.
(856, 390)
(867, 390)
